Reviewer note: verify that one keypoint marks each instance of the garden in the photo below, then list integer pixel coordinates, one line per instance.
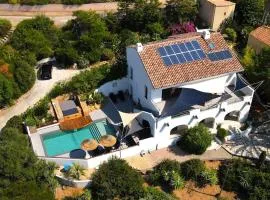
(190, 180)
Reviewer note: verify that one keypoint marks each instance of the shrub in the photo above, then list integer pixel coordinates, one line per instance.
(231, 33)
(107, 54)
(243, 177)
(208, 176)
(196, 140)
(116, 179)
(5, 26)
(157, 175)
(152, 193)
(192, 169)
(76, 171)
(221, 134)
(15, 122)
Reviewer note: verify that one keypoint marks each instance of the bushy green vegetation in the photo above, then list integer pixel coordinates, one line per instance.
(167, 173)
(172, 175)
(231, 33)
(116, 179)
(152, 193)
(5, 26)
(196, 140)
(246, 179)
(195, 170)
(82, 40)
(221, 134)
(22, 175)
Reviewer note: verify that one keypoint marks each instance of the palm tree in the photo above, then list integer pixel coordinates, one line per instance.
(76, 171)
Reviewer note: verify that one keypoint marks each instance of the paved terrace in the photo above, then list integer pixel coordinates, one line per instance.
(194, 99)
(174, 153)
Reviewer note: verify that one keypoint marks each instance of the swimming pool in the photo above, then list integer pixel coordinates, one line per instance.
(61, 142)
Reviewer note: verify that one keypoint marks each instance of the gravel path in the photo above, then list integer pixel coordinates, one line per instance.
(38, 91)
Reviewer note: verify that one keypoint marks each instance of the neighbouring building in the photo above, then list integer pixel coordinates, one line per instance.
(215, 12)
(259, 38)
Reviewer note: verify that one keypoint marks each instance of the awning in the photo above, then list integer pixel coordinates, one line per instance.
(134, 127)
(127, 118)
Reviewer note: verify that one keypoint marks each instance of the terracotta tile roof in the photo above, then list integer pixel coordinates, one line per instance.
(163, 76)
(262, 33)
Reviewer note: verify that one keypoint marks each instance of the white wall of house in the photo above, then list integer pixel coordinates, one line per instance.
(139, 80)
(165, 125)
(205, 85)
(219, 84)
(114, 86)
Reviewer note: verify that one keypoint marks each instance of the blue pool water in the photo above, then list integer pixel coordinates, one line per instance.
(60, 142)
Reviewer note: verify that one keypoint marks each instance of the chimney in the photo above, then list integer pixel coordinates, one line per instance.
(206, 34)
(139, 47)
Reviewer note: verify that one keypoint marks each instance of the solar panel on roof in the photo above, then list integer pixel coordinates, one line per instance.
(201, 54)
(212, 56)
(227, 54)
(181, 53)
(194, 55)
(181, 58)
(167, 61)
(174, 59)
(162, 51)
(168, 50)
(176, 48)
(195, 44)
(189, 46)
(220, 55)
(188, 56)
(183, 47)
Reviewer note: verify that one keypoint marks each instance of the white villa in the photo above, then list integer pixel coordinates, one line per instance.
(171, 85)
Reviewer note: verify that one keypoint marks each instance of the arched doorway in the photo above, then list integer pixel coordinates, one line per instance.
(234, 116)
(179, 130)
(208, 122)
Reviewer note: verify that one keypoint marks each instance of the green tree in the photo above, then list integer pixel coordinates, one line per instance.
(231, 33)
(6, 90)
(140, 15)
(180, 11)
(24, 75)
(5, 26)
(20, 170)
(249, 12)
(249, 59)
(116, 179)
(37, 35)
(196, 140)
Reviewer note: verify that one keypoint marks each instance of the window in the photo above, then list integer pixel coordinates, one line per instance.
(145, 92)
(131, 73)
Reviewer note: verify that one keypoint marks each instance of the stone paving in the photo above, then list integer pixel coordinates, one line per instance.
(148, 161)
